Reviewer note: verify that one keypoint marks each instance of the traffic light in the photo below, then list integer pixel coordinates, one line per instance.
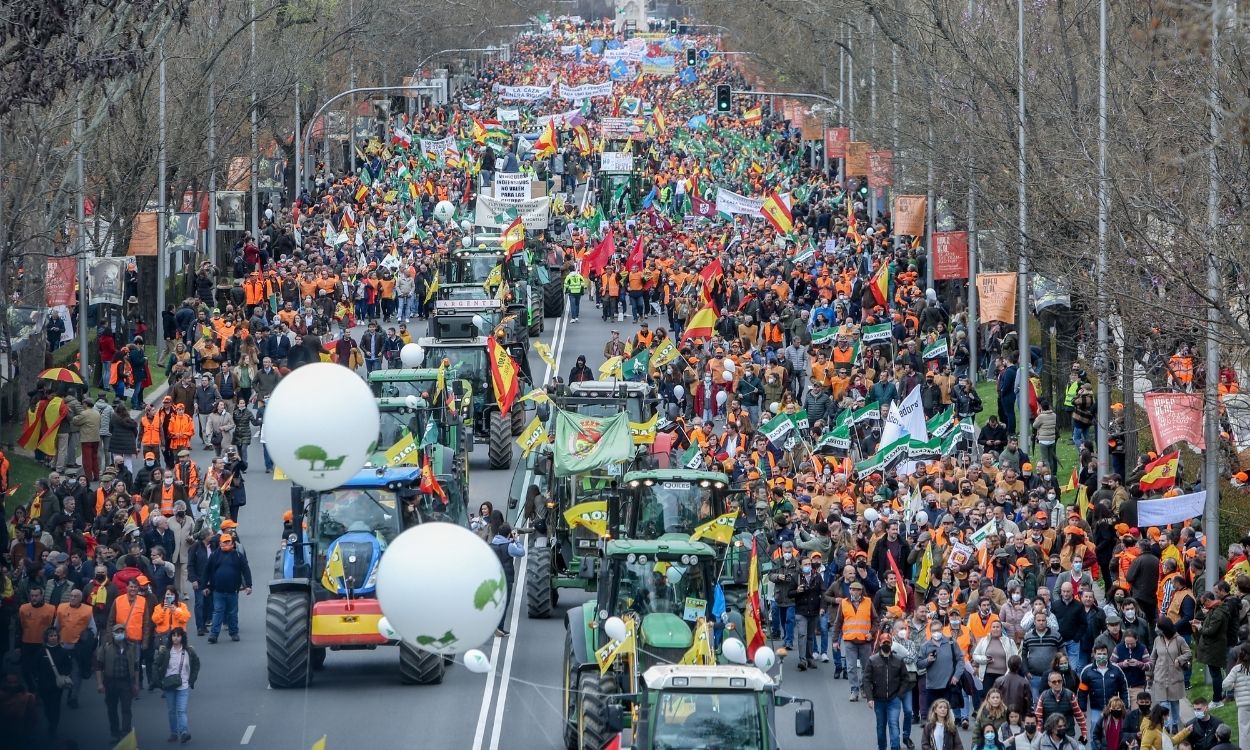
(690, 57)
(672, 26)
(724, 98)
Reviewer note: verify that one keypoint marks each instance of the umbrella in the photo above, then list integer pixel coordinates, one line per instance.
(61, 375)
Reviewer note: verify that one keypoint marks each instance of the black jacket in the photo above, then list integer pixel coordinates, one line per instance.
(886, 677)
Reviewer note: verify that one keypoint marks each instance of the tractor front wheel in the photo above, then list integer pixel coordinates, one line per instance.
(499, 451)
(594, 691)
(288, 651)
(538, 587)
(419, 667)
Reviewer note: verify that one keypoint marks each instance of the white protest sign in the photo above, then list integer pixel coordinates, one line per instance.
(512, 187)
(729, 202)
(524, 93)
(492, 213)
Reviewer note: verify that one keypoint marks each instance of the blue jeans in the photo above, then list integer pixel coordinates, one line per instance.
(887, 716)
(176, 702)
(787, 624)
(407, 307)
(638, 305)
(268, 461)
(1079, 434)
(136, 398)
(575, 305)
(201, 611)
(225, 607)
(1075, 661)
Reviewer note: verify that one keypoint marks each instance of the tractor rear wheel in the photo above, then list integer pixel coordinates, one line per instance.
(570, 694)
(553, 297)
(499, 451)
(418, 667)
(538, 584)
(288, 652)
(593, 693)
(518, 419)
(537, 325)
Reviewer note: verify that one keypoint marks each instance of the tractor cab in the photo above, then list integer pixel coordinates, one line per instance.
(605, 398)
(669, 503)
(402, 382)
(462, 317)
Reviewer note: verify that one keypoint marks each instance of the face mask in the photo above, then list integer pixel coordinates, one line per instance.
(169, 599)
(989, 737)
(787, 556)
(1063, 667)
(1199, 715)
(1030, 728)
(169, 481)
(1100, 661)
(965, 491)
(1076, 567)
(1130, 615)
(119, 637)
(807, 569)
(101, 578)
(149, 464)
(1016, 597)
(1050, 496)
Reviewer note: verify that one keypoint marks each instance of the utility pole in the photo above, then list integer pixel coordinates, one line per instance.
(1211, 456)
(210, 242)
(162, 217)
(80, 220)
(930, 201)
(974, 325)
(1024, 427)
(1102, 359)
(351, 84)
(299, 151)
(255, 144)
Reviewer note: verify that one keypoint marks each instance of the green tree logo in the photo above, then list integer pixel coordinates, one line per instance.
(315, 454)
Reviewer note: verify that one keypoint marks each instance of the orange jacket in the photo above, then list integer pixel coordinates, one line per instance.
(132, 615)
(254, 290)
(165, 618)
(181, 428)
(151, 429)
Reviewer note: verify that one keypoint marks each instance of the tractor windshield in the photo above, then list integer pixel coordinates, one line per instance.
(674, 507)
(400, 388)
(463, 361)
(372, 510)
(707, 721)
(648, 586)
(471, 269)
(394, 425)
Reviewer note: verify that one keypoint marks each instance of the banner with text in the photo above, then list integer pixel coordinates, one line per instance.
(881, 168)
(512, 187)
(493, 213)
(909, 215)
(856, 159)
(729, 202)
(835, 142)
(950, 255)
(524, 93)
(996, 295)
(585, 91)
(1175, 417)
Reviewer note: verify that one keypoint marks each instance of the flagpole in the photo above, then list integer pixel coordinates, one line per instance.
(1211, 473)
(1024, 427)
(1101, 360)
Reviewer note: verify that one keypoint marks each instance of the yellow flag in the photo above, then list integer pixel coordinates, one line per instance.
(700, 652)
(319, 744)
(591, 515)
(665, 354)
(544, 353)
(131, 742)
(534, 435)
(606, 654)
(719, 529)
(333, 572)
(643, 433)
(279, 475)
(926, 567)
(404, 452)
(440, 383)
(538, 396)
(494, 278)
(611, 369)
(1082, 500)
(432, 289)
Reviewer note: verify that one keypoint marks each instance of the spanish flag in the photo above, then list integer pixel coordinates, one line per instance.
(1073, 481)
(660, 124)
(1160, 474)
(880, 284)
(429, 483)
(361, 192)
(42, 425)
(778, 213)
(513, 237)
(700, 325)
(547, 143)
(754, 624)
(478, 131)
(503, 375)
(581, 137)
(754, 116)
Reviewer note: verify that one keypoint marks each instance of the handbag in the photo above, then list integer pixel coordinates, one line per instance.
(63, 681)
(174, 681)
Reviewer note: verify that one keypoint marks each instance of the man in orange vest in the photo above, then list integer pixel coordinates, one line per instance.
(77, 628)
(131, 612)
(35, 617)
(857, 620)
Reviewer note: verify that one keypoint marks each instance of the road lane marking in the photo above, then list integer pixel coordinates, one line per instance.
(479, 735)
(247, 734)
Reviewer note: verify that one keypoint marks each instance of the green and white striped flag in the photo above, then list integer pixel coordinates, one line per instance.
(839, 438)
(882, 459)
(873, 334)
(824, 336)
(941, 422)
(924, 450)
(692, 458)
(777, 428)
(869, 411)
(799, 418)
(936, 349)
(950, 441)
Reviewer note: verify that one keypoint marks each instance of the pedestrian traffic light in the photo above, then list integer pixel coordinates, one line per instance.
(724, 98)
(672, 26)
(690, 57)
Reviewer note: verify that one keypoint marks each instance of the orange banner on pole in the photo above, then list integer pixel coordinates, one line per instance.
(856, 159)
(143, 234)
(909, 215)
(996, 296)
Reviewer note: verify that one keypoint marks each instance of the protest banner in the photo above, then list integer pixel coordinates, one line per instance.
(996, 296)
(909, 212)
(950, 255)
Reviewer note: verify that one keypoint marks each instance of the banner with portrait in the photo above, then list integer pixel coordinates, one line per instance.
(182, 234)
(856, 159)
(105, 280)
(231, 215)
(909, 211)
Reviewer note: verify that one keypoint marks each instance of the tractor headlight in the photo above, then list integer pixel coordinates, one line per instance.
(705, 483)
(649, 482)
(373, 578)
(634, 484)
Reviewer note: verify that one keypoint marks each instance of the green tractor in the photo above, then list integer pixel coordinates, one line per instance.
(665, 587)
(440, 435)
(548, 266)
(695, 706)
(472, 267)
(461, 303)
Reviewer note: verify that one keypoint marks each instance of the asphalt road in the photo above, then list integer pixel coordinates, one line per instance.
(357, 699)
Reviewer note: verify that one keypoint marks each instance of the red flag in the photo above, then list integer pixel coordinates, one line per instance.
(754, 622)
(700, 207)
(711, 274)
(901, 598)
(597, 259)
(429, 483)
(636, 257)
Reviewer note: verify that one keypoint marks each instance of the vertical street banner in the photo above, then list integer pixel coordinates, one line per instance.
(143, 234)
(950, 255)
(835, 142)
(881, 168)
(856, 159)
(909, 215)
(1175, 417)
(182, 235)
(105, 280)
(996, 297)
(59, 280)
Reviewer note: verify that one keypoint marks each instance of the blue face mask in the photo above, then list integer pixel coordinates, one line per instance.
(119, 637)
(807, 569)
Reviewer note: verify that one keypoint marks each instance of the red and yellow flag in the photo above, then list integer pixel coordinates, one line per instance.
(701, 324)
(852, 225)
(754, 621)
(880, 284)
(778, 213)
(42, 426)
(361, 192)
(900, 598)
(1160, 474)
(547, 142)
(581, 137)
(513, 237)
(660, 123)
(429, 483)
(754, 116)
(503, 375)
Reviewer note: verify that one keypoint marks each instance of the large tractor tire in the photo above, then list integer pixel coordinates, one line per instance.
(569, 698)
(539, 592)
(517, 415)
(318, 658)
(288, 652)
(553, 297)
(537, 325)
(594, 691)
(418, 667)
(499, 451)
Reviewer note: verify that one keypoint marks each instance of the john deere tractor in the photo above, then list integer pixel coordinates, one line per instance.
(664, 587)
(314, 607)
(439, 435)
(473, 266)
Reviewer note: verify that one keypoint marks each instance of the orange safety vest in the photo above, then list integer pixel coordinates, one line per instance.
(72, 621)
(165, 618)
(167, 500)
(124, 613)
(978, 628)
(189, 475)
(151, 429)
(180, 430)
(772, 333)
(857, 621)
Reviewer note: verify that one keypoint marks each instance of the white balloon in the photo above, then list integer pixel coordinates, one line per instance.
(465, 225)
(410, 355)
(386, 631)
(765, 658)
(679, 392)
(615, 629)
(870, 515)
(321, 448)
(476, 661)
(727, 376)
(734, 650)
(411, 401)
(444, 211)
(721, 398)
(774, 407)
(673, 575)
(446, 609)
(466, 241)
(730, 365)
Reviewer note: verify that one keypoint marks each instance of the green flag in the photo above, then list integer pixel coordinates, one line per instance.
(936, 349)
(883, 458)
(777, 428)
(869, 411)
(941, 422)
(879, 332)
(824, 336)
(692, 458)
(839, 438)
(584, 444)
